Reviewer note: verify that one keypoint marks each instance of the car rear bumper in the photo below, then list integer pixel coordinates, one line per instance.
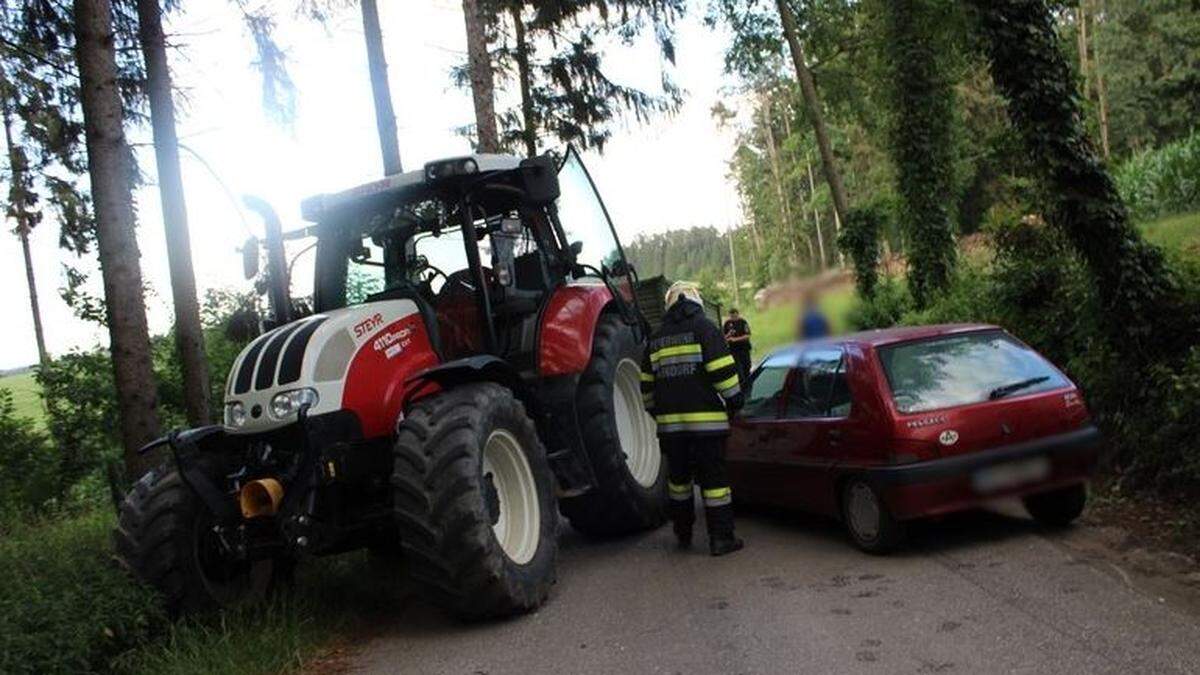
(955, 483)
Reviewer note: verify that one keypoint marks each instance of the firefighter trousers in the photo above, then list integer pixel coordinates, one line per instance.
(701, 457)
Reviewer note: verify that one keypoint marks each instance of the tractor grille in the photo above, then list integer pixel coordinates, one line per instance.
(273, 353)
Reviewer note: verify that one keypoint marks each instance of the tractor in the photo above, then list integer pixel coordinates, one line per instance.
(467, 371)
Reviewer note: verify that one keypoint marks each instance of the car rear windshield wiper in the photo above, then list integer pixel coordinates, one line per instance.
(1001, 392)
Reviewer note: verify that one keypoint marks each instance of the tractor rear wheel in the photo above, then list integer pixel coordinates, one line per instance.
(165, 538)
(620, 438)
(474, 502)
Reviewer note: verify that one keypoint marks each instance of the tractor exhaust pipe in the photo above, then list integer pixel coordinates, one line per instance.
(260, 498)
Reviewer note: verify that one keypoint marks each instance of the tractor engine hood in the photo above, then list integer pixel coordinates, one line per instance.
(307, 363)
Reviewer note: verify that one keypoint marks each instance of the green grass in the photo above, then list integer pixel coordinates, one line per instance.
(1175, 233)
(27, 395)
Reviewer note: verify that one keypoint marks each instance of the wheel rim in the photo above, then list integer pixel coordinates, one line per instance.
(635, 428)
(518, 522)
(863, 511)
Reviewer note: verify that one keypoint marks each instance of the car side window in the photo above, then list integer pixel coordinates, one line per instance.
(817, 386)
(767, 387)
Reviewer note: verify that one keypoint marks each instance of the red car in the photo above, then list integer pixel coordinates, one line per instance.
(882, 427)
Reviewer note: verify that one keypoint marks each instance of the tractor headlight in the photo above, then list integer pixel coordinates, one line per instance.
(286, 404)
(235, 414)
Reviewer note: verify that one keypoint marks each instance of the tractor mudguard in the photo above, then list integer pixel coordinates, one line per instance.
(551, 406)
(568, 326)
(484, 367)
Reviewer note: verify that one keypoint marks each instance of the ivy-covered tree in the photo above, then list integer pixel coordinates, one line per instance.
(922, 143)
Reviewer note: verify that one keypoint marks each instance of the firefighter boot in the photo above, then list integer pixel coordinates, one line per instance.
(682, 511)
(721, 540)
(683, 515)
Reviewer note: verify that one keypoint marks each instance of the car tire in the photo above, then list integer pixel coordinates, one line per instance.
(868, 522)
(629, 494)
(474, 503)
(1057, 508)
(164, 538)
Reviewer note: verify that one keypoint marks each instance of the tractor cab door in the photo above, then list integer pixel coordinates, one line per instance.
(589, 231)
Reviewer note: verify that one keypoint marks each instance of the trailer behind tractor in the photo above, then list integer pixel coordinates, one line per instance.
(469, 370)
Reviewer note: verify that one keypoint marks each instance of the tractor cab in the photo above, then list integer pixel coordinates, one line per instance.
(477, 243)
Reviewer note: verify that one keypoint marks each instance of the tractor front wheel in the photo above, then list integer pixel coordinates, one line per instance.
(474, 502)
(620, 438)
(166, 539)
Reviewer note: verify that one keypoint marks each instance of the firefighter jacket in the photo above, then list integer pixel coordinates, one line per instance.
(688, 376)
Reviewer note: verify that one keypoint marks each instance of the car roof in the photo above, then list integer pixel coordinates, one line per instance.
(886, 336)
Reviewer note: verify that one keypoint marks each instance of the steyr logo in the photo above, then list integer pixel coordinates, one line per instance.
(364, 327)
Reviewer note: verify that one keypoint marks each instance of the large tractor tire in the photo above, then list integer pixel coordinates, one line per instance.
(475, 505)
(620, 438)
(165, 538)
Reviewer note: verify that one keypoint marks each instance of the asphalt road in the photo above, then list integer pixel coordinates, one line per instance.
(984, 592)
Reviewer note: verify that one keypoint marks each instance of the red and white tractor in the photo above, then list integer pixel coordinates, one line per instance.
(469, 371)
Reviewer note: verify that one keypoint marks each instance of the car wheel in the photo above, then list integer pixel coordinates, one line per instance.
(869, 523)
(1057, 508)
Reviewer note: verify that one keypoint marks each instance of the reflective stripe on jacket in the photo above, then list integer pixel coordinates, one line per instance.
(688, 376)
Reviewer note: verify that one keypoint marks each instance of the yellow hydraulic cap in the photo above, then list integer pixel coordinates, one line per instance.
(260, 498)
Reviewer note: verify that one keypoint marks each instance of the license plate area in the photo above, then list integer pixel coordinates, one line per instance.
(1010, 474)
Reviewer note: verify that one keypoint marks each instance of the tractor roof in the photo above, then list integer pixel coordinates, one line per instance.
(407, 185)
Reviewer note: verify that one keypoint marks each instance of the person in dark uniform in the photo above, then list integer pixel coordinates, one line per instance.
(737, 336)
(690, 383)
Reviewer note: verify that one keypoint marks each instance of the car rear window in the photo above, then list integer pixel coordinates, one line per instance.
(962, 369)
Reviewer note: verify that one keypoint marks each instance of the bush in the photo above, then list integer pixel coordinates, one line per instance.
(1162, 182)
(27, 467)
(64, 605)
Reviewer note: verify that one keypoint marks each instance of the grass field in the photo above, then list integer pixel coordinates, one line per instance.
(1176, 233)
(26, 395)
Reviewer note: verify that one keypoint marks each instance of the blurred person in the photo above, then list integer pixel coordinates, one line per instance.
(813, 322)
(690, 385)
(737, 337)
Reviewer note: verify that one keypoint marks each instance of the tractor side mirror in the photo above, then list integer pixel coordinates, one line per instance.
(576, 248)
(539, 178)
(250, 257)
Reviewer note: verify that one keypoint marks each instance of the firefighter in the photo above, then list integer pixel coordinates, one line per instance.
(690, 385)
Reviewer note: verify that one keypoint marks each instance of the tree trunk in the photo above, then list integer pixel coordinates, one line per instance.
(1085, 70)
(812, 198)
(479, 66)
(1101, 88)
(111, 169)
(189, 335)
(785, 211)
(530, 128)
(381, 92)
(17, 178)
(809, 89)
(1132, 280)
